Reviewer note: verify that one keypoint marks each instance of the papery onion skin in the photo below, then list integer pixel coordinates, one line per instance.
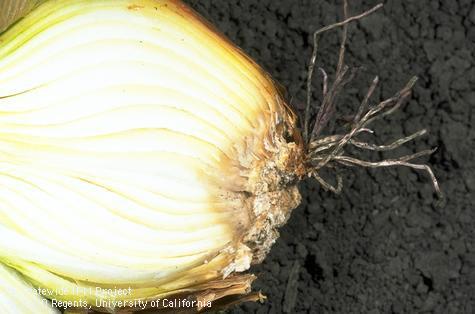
(13, 10)
(140, 148)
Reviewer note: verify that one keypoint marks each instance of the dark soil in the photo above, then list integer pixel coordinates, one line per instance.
(382, 245)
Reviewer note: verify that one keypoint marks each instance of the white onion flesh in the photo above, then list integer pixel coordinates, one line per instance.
(130, 135)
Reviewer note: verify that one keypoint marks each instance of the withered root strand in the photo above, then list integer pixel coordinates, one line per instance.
(328, 151)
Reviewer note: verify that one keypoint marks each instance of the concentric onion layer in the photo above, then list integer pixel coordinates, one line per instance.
(123, 126)
(16, 296)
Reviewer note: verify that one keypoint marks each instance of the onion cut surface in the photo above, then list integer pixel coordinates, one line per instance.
(16, 296)
(139, 148)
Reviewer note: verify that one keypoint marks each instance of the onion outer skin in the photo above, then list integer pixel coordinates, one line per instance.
(175, 155)
(13, 10)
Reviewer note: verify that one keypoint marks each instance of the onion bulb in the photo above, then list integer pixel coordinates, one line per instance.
(143, 155)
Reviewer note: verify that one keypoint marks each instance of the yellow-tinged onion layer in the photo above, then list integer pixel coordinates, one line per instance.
(16, 296)
(129, 131)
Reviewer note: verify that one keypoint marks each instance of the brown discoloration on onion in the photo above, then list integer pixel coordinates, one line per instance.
(221, 293)
(13, 10)
(135, 7)
(271, 211)
(271, 191)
